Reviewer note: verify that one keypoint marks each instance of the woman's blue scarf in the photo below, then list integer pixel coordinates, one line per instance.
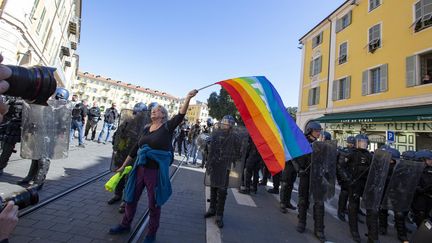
(163, 188)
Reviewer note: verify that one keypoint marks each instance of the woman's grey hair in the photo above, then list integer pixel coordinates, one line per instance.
(164, 112)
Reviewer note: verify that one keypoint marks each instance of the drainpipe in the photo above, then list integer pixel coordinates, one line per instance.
(329, 63)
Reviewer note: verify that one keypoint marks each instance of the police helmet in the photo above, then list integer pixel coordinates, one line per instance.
(312, 126)
(139, 107)
(409, 154)
(362, 141)
(350, 140)
(423, 154)
(61, 94)
(152, 105)
(394, 152)
(327, 135)
(209, 122)
(228, 120)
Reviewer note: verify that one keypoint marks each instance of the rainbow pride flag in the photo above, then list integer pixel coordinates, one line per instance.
(272, 129)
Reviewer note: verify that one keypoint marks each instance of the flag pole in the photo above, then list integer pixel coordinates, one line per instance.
(205, 87)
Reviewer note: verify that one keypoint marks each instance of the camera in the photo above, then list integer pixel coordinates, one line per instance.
(35, 84)
(22, 197)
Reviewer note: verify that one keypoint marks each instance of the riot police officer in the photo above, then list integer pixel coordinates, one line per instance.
(342, 177)
(358, 163)
(422, 204)
(252, 165)
(224, 149)
(39, 168)
(383, 213)
(302, 165)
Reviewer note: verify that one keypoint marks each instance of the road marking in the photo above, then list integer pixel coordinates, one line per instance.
(243, 199)
(213, 234)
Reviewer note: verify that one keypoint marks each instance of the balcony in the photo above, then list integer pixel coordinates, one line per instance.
(67, 64)
(64, 51)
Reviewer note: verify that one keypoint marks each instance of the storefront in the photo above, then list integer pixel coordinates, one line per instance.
(412, 126)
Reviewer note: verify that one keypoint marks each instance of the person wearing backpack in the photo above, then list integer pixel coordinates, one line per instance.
(93, 118)
(111, 115)
(79, 112)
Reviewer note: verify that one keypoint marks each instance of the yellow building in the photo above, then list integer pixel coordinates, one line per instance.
(197, 111)
(105, 91)
(364, 69)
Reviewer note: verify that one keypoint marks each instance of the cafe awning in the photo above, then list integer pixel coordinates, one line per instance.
(413, 113)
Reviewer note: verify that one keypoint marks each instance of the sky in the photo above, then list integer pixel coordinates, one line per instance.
(177, 46)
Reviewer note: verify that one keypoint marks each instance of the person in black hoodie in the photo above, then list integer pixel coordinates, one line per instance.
(93, 118)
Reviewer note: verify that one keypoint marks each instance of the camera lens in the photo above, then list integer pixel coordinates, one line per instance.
(26, 198)
(35, 84)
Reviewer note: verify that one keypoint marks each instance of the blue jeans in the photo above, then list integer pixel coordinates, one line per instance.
(193, 151)
(76, 124)
(106, 128)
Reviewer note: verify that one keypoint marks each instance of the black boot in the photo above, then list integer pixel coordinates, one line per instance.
(213, 200)
(31, 174)
(372, 225)
(383, 214)
(219, 221)
(245, 191)
(319, 221)
(343, 198)
(353, 223)
(302, 209)
(43, 167)
(283, 208)
(400, 226)
(274, 190)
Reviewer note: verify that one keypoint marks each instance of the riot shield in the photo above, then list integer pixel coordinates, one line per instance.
(323, 170)
(125, 114)
(202, 141)
(45, 130)
(127, 135)
(375, 183)
(401, 187)
(224, 167)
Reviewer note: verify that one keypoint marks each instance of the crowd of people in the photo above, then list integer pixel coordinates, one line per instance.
(146, 141)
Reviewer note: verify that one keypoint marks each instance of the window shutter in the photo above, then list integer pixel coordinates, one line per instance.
(411, 77)
(317, 95)
(321, 38)
(319, 62)
(335, 89)
(349, 16)
(365, 80)
(348, 87)
(310, 97)
(384, 77)
(311, 69)
(338, 25)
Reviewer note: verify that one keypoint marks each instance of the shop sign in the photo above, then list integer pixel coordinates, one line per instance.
(392, 126)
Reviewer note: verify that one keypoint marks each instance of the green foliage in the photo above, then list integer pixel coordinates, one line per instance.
(292, 111)
(221, 104)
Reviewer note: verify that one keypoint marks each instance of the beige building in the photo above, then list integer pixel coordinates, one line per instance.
(42, 32)
(106, 91)
(197, 111)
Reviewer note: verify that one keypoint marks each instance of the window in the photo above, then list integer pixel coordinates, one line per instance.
(419, 69)
(423, 15)
(315, 66)
(35, 5)
(373, 4)
(375, 80)
(314, 94)
(343, 52)
(343, 22)
(41, 20)
(341, 88)
(46, 30)
(374, 38)
(317, 40)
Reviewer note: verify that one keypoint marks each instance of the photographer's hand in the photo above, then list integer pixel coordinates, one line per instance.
(5, 73)
(8, 220)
